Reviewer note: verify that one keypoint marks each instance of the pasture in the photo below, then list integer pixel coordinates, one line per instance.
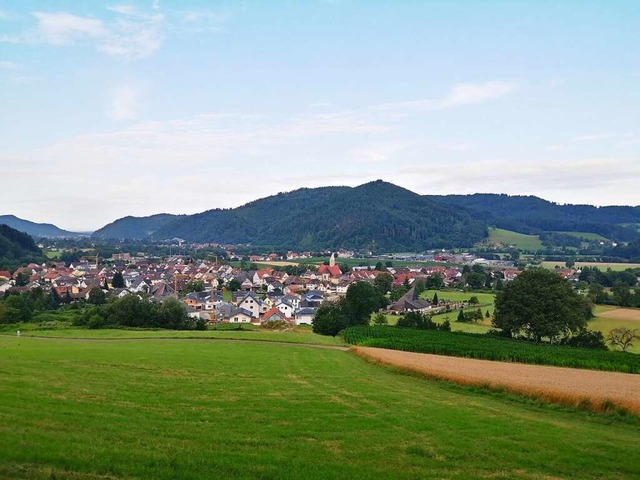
(616, 267)
(608, 318)
(166, 409)
(518, 240)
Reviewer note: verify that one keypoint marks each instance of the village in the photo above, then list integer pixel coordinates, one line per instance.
(219, 292)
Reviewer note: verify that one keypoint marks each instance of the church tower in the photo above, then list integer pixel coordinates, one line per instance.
(332, 260)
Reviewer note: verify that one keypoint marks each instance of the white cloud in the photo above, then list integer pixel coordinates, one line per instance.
(7, 65)
(459, 95)
(456, 147)
(4, 15)
(473, 93)
(131, 35)
(572, 181)
(591, 137)
(65, 28)
(125, 103)
(378, 153)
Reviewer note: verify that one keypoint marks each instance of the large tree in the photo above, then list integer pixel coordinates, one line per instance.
(361, 301)
(540, 304)
(330, 318)
(118, 280)
(384, 283)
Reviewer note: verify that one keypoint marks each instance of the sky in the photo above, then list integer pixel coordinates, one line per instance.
(110, 109)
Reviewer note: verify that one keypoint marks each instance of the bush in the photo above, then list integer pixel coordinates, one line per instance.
(586, 339)
(274, 325)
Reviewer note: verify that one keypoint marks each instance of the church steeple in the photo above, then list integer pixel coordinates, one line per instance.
(332, 260)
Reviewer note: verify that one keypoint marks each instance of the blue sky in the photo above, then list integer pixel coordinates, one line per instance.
(135, 108)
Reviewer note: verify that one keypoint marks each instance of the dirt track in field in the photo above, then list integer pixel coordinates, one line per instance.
(569, 386)
(632, 314)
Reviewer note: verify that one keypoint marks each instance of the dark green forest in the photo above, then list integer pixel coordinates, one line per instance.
(17, 248)
(134, 227)
(377, 216)
(533, 215)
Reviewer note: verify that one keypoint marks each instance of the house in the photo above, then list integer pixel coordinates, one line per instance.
(239, 315)
(273, 315)
(253, 304)
(304, 316)
(286, 308)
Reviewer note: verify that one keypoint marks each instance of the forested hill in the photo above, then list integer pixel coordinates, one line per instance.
(134, 227)
(17, 248)
(376, 215)
(533, 215)
(35, 229)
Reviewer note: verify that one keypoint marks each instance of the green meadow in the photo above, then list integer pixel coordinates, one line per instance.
(519, 240)
(182, 408)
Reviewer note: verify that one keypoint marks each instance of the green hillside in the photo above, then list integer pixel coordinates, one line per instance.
(17, 248)
(376, 216)
(532, 215)
(134, 227)
(519, 240)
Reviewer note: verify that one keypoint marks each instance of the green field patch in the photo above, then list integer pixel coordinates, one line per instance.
(616, 267)
(300, 335)
(184, 409)
(519, 240)
(586, 235)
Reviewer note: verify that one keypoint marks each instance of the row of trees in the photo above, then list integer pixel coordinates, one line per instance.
(132, 311)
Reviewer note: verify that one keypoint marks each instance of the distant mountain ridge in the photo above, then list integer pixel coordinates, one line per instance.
(533, 215)
(376, 215)
(135, 227)
(36, 229)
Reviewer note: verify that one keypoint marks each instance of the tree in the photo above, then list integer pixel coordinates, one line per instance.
(234, 285)
(421, 321)
(380, 319)
(435, 299)
(623, 337)
(195, 286)
(97, 296)
(17, 308)
(361, 301)
(434, 282)
(540, 304)
(118, 280)
(379, 266)
(473, 300)
(476, 280)
(461, 317)
(397, 293)
(22, 278)
(383, 283)
(330, 318)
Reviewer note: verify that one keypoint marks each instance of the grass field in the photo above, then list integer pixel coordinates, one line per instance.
(608, 318)
(519, 240)
(601, 265)
(585, 235)
(301, 335)
(186, 409)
